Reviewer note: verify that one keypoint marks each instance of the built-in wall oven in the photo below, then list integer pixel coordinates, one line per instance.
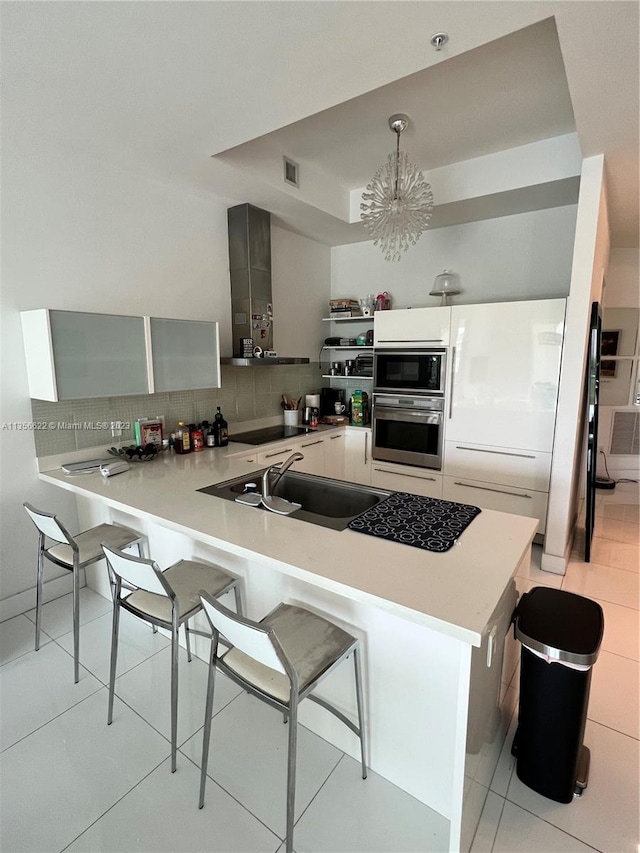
(408, 406)
(407, 428)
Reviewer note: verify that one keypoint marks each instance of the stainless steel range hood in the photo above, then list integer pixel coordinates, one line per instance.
(251, 299)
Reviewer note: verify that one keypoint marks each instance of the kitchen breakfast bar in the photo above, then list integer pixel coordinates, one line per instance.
(437, 653)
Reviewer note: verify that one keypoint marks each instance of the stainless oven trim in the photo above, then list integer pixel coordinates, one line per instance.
(422, 413)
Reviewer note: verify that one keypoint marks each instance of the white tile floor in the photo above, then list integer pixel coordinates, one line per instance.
(70, 782)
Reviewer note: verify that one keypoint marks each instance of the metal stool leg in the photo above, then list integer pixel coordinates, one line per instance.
(174, 686)
(208, 712)
(360, 703)
(76, 619)
(236, 592)
(115, 624)
(187, 636)
(39, 580)
(291, 771)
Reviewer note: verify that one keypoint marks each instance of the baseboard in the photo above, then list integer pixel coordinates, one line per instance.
(14, 605)
(558, 565)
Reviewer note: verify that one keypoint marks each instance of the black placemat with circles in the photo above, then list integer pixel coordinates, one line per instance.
(427, 523)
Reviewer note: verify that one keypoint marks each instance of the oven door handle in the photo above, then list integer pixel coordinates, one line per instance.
(426, 417)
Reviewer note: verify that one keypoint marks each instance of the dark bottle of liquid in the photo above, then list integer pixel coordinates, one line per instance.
(221, 430)
(210, 435)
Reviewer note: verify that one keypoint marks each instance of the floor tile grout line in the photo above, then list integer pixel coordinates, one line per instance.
(55, 717)
(615, 654)
(232, 796)
(548, 822)
(499, 821)
(322, 784)
(612, 729)
(126, 794)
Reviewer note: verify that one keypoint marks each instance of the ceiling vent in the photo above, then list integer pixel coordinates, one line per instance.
(625, 435)
(291, 172)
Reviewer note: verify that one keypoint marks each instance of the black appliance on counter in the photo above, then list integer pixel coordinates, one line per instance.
(328, 398)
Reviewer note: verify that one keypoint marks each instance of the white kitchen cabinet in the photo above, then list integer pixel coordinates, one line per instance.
(72, 354)
(279, 453)
(528, 469)
(249, 456)
(505, 360)
(409, 327)
(334, 455)
(185, 354)
(501, 411)
(358, 455)
(406, 478)
(312, 448)
(487, 495)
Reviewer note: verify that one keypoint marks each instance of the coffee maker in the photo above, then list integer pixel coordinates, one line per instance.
(328, 398)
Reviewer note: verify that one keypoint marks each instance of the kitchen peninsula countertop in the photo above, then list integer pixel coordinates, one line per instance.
(454, 593)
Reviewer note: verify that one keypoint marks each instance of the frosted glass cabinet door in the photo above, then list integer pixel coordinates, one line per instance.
(185, 354)
(505, 373)
(98, 355)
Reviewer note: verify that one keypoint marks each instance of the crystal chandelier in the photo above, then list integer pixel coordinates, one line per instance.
(400, 201)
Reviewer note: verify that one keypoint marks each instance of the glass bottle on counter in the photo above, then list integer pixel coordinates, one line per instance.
(182, 441)
(197, 438)
(210, 435)
(221, 430)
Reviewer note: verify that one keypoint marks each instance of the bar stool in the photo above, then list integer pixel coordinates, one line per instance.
(163, 598)
(73, 553)
(280, 660)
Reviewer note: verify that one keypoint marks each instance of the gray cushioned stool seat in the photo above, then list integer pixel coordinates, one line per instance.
(311, 643)
(186, 578)
(89, 543)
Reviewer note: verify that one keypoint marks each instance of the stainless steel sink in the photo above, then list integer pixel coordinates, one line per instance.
(329, 503)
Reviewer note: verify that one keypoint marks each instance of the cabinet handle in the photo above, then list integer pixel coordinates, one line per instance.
(499, 491)
(496, 452)
(278, 453)
(410, 340)
(366, 445)
(453, 368)
(333, 437)
(411, 476)
(311, 443)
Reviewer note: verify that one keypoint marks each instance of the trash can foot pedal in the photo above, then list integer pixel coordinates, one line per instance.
(582, 777)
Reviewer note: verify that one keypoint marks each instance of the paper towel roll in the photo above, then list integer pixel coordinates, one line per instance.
(312, 400)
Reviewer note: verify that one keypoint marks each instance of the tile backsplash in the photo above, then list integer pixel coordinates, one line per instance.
(246, 394)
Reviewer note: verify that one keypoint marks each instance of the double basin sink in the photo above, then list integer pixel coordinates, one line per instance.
(329, 503)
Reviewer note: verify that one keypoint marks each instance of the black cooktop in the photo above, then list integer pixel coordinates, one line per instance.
(264, 436)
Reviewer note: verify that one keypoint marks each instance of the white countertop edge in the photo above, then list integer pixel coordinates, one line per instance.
(457, 632)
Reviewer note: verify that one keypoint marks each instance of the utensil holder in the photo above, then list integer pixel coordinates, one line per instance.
(291, 417)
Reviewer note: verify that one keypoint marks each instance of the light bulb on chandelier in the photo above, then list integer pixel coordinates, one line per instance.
(397, 202)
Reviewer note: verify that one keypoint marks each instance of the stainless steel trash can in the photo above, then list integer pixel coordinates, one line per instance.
(561, 635)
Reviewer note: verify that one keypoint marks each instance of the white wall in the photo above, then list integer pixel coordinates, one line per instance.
(81, 235)
(590, 257)
(622, 279)
(527, 256)
(622, 291)
(301, 274)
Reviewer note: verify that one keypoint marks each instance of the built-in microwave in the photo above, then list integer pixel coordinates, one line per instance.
(409, 371)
